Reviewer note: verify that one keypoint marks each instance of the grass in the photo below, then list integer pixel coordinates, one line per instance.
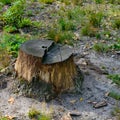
(114, 95)
(47, 1)
(101, 47)
(116, 112)
(95, 18)
(7, 2)
(66, 25)
(35, 114)
(115, 78)
(11, 43)
(14, 14)
(4, 118)
(116, 23)
(89, 30)
(60, 36)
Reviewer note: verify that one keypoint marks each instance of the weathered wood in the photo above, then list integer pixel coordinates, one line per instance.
(49, 62)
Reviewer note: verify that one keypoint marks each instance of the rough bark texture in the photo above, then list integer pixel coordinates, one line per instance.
(60, 74)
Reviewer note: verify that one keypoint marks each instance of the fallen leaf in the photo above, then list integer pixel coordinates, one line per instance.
(72, 101)
(11, 100)
(9, 117)
(81, 99)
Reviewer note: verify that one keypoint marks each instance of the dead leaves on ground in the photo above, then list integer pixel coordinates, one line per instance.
(11, 100)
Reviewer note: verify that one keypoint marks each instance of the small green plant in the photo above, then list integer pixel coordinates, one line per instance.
(7, 1)
(115, 78)
(95, 18)
(89, 30)
(12, 43)
(67, 2)
(4, 118)
(47, 1)
(115, 46)
(114, 1)
(26, 22)
(14, 14)
(10, 29)
(77, 2)
(33, 113)
(114, 95)
(75, 13)
(100, 47)
(99, 1)
(116, 23)
(66, 24)
(60, 36)
(44, 117)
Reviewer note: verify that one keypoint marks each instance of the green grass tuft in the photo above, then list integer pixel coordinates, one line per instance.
(114, 95)
(115, 78)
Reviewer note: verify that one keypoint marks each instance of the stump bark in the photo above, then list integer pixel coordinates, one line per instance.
(47, 61)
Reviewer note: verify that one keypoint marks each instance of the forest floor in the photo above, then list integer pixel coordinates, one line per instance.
(96, 87)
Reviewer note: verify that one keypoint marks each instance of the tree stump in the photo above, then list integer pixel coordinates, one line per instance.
(49, 62)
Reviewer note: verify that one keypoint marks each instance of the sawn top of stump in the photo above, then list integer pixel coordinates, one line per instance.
(49, 51)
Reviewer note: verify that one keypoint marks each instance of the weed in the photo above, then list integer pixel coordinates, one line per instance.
(115, 46)
(6, 2)
(33, 113)
(99, 1)
(116, 23)
(12, 43)
(89, 30)
(96, 18)
(115, 78)
(66, 24)
(26, 22)
(60, 36)
(114, 95)
(44, 117)
(100, 47)
(29, 13)
(114, 1)
(47, 1)
(77, 2)
(10, 29)
(14, 14)
(67, 2)
(75, 13)
(4, 118)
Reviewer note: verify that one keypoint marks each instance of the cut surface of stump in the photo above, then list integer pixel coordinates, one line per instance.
(49, 62)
